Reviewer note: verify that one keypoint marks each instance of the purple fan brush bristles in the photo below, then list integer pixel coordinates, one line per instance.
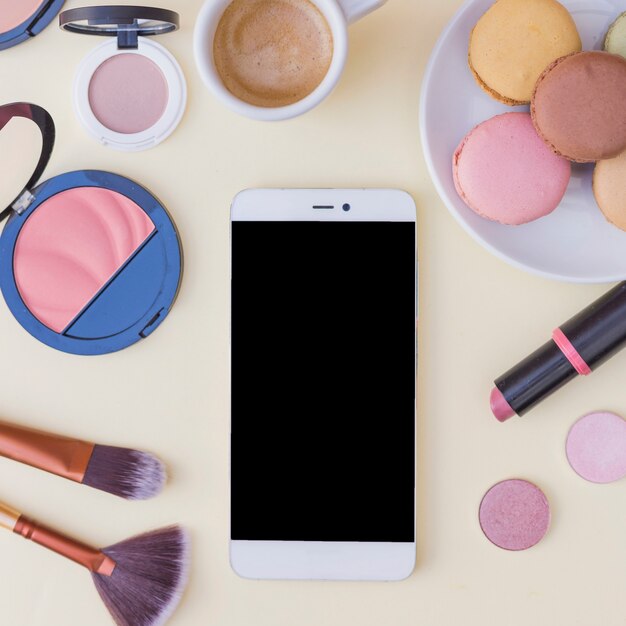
(149, 578)
(127, 473)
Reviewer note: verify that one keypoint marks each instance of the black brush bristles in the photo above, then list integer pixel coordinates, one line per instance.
(127, 473)
(149, 578)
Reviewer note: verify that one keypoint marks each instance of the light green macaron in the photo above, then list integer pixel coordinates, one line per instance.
(615, 41)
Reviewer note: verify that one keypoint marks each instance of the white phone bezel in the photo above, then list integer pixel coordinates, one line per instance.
(319, 560)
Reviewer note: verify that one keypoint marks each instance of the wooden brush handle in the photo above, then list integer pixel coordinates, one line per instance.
(62, 456)
(93, 559)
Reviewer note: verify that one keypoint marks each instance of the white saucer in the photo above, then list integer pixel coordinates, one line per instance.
(575, 243)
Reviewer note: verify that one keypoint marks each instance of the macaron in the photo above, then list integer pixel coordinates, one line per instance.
(615, 41)
(514, 41)
(504, 172)
(579, 106)
(609, 188)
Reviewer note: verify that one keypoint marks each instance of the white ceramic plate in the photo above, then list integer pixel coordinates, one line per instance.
(575, 243)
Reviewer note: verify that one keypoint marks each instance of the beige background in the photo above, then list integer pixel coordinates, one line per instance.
(170, 393)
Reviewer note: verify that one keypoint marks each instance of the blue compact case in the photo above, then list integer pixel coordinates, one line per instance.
(32, 24)
(119, 262)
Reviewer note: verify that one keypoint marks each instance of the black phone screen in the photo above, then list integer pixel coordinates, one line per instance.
(323, 381)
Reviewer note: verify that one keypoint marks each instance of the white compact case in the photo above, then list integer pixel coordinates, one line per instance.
(130, 92)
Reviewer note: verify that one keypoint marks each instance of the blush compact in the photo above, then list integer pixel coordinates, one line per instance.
(129, 92)
(22, 19)
(90, 262)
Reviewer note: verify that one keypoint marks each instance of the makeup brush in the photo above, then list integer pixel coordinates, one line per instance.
(140, 580)
(127, 473)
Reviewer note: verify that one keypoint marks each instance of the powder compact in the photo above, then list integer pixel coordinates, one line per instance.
(90, 262)
(22, 19)
(130, 92)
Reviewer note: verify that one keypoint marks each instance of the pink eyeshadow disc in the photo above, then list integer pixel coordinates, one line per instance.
(514, 515)
(596, 447)
(71, 246)
(16, 12)
(128, 93)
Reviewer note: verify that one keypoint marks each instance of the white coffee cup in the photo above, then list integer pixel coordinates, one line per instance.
(338, 13)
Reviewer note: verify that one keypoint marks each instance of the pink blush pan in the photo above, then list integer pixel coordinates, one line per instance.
(16, 12)
(514, 515)
(128, 93)
(71, 247)
(596, 447)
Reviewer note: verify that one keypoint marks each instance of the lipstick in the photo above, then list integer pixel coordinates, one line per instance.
(577, 348)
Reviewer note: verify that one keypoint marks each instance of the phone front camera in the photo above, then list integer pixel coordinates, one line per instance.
(346, 207)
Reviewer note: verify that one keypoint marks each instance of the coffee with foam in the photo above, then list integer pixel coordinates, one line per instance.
(272, 53)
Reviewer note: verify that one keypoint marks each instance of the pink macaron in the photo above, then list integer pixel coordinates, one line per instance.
(506, 173)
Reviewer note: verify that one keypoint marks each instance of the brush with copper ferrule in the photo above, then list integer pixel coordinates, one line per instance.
(124, 472)
(140, 580)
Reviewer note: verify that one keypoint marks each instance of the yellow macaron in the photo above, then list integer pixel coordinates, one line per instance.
(609, 188)
(615, 41)
(514, 42)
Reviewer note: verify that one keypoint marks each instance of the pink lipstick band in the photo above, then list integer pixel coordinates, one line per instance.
(570, 352)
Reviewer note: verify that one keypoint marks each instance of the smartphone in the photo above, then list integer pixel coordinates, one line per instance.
(323, 378)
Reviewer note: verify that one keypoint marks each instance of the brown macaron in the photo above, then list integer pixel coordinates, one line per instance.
(579, 106)
(514, 41)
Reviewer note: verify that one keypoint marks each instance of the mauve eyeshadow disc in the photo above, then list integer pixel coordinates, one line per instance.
(128, 93)
(514, 514)
(15, 12)
(596, 447)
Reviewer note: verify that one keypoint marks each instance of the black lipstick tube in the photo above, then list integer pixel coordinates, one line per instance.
(578, 347)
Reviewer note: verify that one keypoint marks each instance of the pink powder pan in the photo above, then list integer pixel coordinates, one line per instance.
(90, 261)
(13, 13)
(21, 20)
(596, 447)
(129, 93)
(71, 247)
(514, 514)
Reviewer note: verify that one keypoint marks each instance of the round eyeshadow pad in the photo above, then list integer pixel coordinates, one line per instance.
(596, 447)
(514, 515)
(505, 172)
(128, 93)
(579, 106)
